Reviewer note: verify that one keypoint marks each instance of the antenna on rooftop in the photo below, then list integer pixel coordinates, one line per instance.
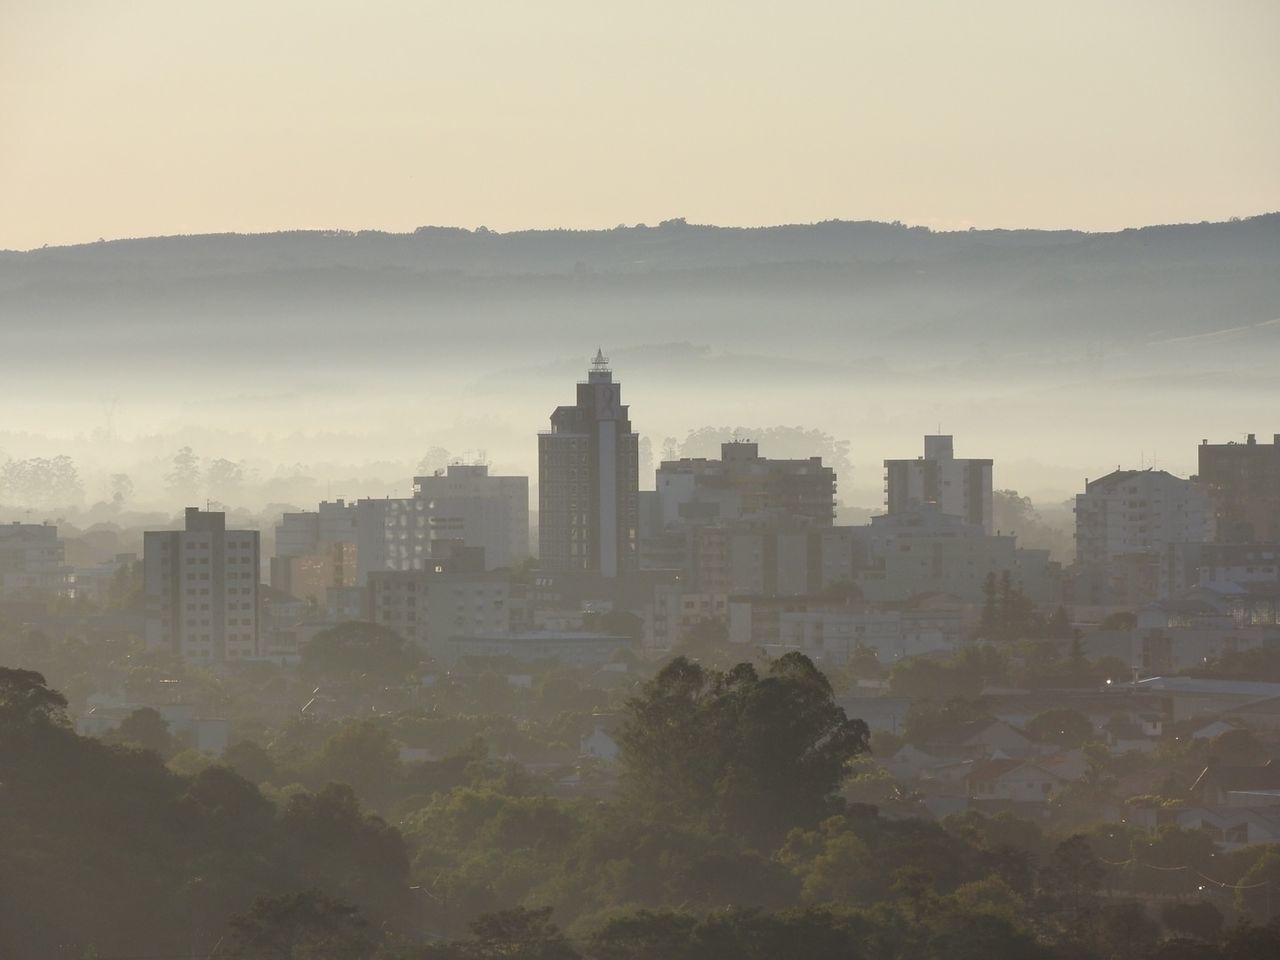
(601, 362)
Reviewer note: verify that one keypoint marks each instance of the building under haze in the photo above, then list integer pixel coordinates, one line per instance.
(32, 562)
(959, 488)
(1126, 524)
(588, 482)
(315, 551)
(465, 502)
(1243, 481)
(200, 585)
(744, 484)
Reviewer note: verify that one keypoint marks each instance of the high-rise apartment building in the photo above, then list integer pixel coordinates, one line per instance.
(201, 589)
(589, 481)
(959, 488)
(1127, 524)
(1138, 511)
(1243, 482)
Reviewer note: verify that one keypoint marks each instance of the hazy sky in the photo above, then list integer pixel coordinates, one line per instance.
(138, 117)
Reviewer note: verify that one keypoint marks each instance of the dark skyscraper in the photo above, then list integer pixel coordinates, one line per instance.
(588, 481)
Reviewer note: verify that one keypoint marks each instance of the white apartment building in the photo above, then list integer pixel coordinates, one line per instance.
(1139, 512)
(201, 589)
(957, 488)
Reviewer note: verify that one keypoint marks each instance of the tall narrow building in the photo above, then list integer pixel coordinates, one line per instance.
(589, 481)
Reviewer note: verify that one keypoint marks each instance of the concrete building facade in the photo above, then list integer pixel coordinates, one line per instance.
(466, 503)
(744, 484)
(1127, 525)
(32, 562)
(958, 488)
(1243, 482)
(201, 589)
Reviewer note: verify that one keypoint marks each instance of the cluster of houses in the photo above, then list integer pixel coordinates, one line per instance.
(994, 764)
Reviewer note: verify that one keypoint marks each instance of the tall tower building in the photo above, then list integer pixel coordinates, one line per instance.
(589, 481)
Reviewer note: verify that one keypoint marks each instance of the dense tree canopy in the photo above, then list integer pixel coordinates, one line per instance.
(738, 751)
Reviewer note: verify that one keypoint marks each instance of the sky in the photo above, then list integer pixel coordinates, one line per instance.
(123, 118)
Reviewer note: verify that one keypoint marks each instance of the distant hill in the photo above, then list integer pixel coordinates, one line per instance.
(839, 291)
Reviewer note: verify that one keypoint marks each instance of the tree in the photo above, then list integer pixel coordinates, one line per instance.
(147, 729)
(225, 479)
(619, 623)
(1258, 894)
(927, 721)
(435, 459)
(26, 701)
(1249, 942)
(300, 926)
(1065, 728)
(1072, 879)
(520, 935)
(250, 761)
(362, 755)
(121, 490)
(1128, 930)
(183, 479)
(42, 482)
(1236, 747)
(1193, 918)
(358, 650)
(738, 751)
(644, 935)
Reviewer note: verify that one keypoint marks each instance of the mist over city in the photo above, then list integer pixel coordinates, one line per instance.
(575, 482)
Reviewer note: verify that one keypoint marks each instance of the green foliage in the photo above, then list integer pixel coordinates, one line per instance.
(358, 651)
(1007, 613)
(737, 751)
(965, 674)
(927, 721)
(151, 858)
(250, 761)
(363, 754)
(300, 926)
(26, 702)
(1257, 895)
(1071, 880)
(1193, 918)
(1064, 728)
(145, 728)
(1120, 620)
